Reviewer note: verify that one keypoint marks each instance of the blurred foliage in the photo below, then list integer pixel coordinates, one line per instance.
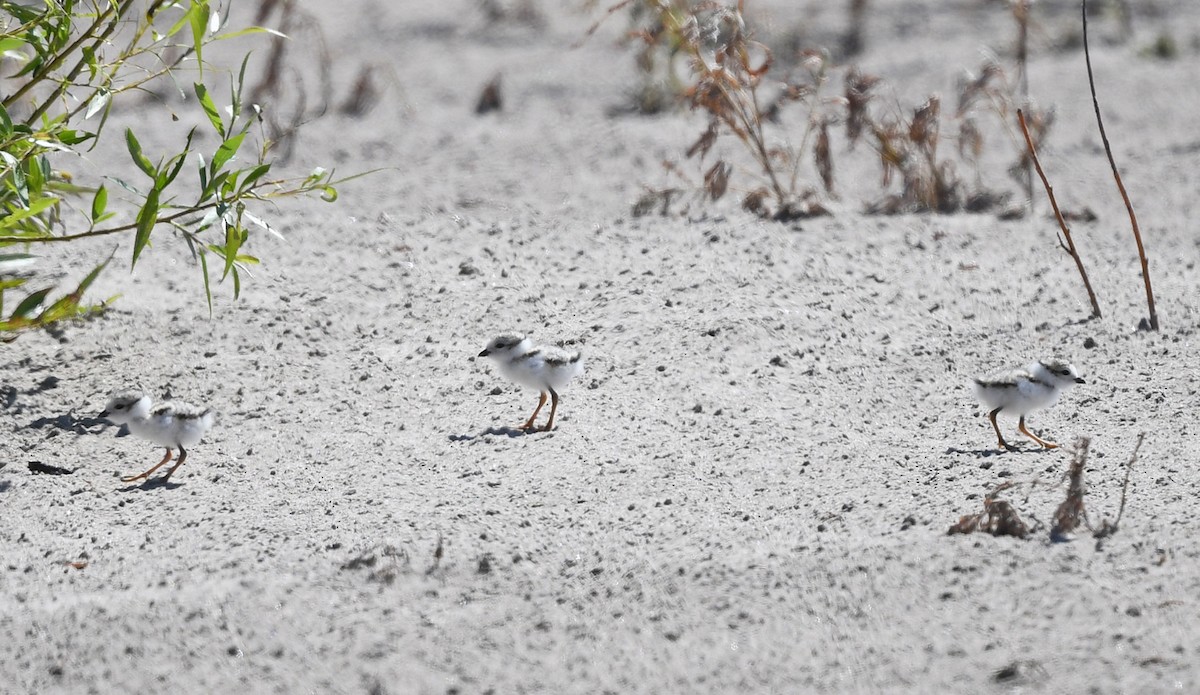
(73, 61)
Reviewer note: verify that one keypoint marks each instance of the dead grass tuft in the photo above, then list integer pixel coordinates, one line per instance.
(727, 75)
(999, 518)
(489, 97)
(284, 84)
(1071, 514)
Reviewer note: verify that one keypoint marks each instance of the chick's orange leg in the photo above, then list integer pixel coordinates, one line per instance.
(182, 458)
(541, 401)
(1034, 437)
(999, 437)
(147, 474)
(553, 409)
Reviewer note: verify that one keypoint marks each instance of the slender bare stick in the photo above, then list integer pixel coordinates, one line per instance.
(1069, 243)
(1137, 234)
(1021, 12)
(1128, 471)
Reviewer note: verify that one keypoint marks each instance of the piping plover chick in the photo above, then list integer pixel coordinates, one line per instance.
(173, 424)
(1022, 391)
(542, 367)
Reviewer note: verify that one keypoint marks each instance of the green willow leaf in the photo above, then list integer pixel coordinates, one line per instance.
(30, 303)
(135, 151)
(198, 18)
(99, 203)
(207, 285)
(146, 220)
(226, 152)
(91, 277)
(254, 175)
(36, 208)
(210, 109)
(165, 178)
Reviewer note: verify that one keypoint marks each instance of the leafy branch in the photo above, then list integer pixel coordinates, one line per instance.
(72, 67)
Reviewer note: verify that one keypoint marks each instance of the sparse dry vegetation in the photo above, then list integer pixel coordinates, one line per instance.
(730, 78)
(1001, 518)
(998, 518)
(1137, 234)
(728, 72)
(1065, 240)
(73, 63)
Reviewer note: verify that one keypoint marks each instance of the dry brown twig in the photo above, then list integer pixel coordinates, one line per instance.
(1071, 513)
(1065, 240)
(727, 74)
(1020, 10)
(999, 517)
(274, 83)
(1137, 234)
(1109, 528)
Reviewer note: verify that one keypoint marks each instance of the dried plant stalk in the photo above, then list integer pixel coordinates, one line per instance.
(1137, 234)
(1071, 513)
(999, 517)
(1065, 240)
(1108, 528)
(823, 156)
(1021, 13)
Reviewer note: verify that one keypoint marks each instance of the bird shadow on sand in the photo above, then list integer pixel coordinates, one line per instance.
(67, 422)
(988, 453)
(510, 432)
(152, 484)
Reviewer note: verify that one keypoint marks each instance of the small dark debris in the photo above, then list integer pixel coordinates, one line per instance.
(1011, 212)
(489, 98)
(363, 96)
(1018, 670)
(1084, 215)
(908, 523)
(364, 560)
(1089, 342)
(39, 467)
(485, 565)
(778, 361)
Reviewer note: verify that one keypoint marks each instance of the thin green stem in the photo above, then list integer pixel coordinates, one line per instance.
(51, 65)
(66, 82)
(168, 219)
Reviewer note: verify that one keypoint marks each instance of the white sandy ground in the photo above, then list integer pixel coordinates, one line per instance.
(749, 490)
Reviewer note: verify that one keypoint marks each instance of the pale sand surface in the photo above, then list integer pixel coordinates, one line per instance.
(750, 488)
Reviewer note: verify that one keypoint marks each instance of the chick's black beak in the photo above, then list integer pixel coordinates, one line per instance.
(104, 413)
(485, 353)
(1079, 380)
